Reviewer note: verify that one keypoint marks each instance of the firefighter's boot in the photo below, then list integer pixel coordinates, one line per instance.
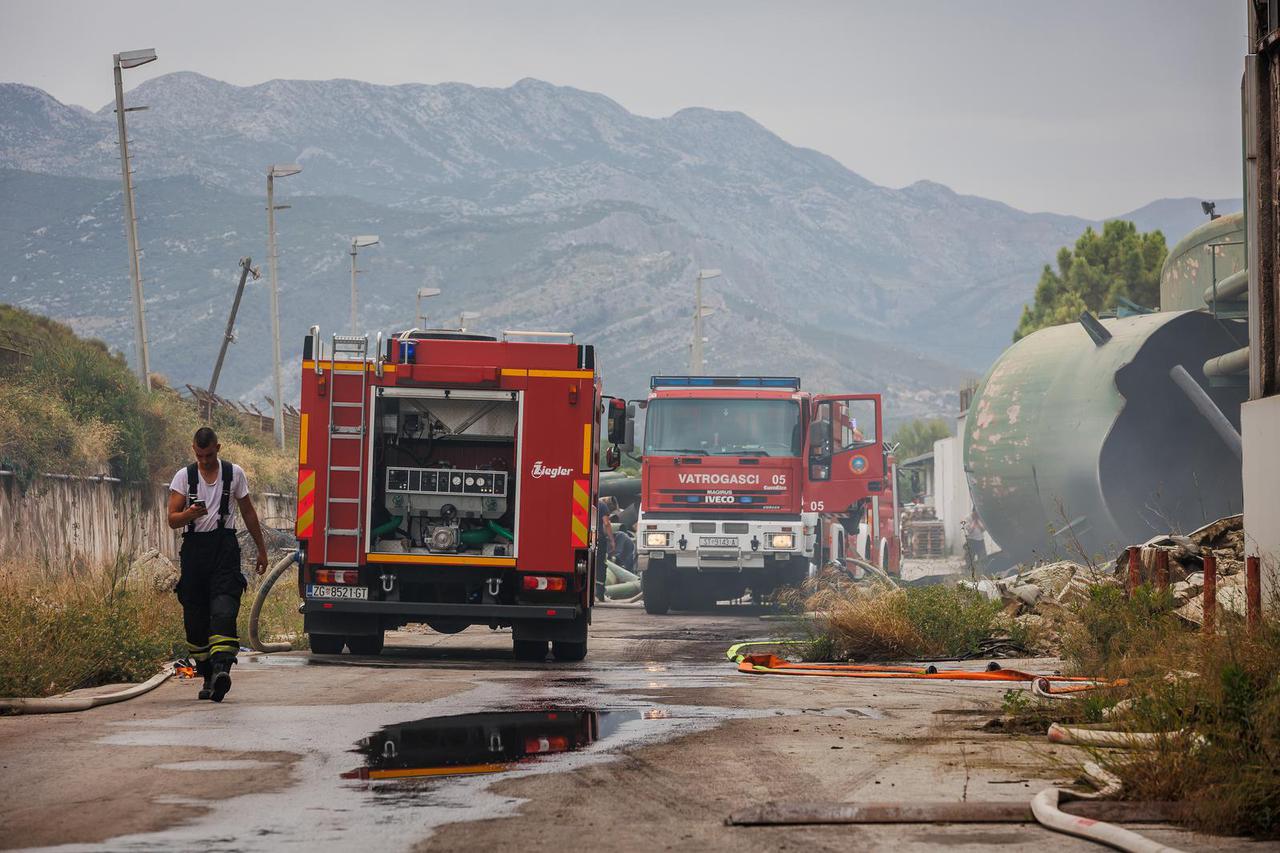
(204, 670)
(220, 682)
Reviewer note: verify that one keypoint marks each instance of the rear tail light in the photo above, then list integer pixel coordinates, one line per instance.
(544, 745)
(347, 576)
(542, 582)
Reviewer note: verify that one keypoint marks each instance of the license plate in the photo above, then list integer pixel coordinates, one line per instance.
(315, 590)
(718, 542)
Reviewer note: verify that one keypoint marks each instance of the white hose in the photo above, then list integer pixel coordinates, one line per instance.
(1045, 808)
(263, 591)
(1077, 736)
(63, 704)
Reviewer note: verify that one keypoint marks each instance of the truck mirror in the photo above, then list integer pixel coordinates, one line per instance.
(617, 421)
(612, 458)
(629, 439)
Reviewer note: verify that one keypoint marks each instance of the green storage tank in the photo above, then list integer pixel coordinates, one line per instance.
(1072, 443)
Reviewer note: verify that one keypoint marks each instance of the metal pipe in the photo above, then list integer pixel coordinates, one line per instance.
(1205, 406)
(1253, 592)
(1229, 289)
(143, 365)
(1228, 364)
(1210, 600)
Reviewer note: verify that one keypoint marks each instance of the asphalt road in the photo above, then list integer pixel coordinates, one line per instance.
(446, 743)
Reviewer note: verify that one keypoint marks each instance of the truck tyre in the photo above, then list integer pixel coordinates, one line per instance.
(327, 644)
(366, 644)
(573, 648)
(569, 651)
(530, 650)
(655, 584)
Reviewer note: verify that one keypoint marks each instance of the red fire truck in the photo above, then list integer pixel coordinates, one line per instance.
(450, 479)
(747, 480)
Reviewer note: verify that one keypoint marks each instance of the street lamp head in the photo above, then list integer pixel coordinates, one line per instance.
(706, 274)
(134, 58)
(424, 292)
(364, 240)
(469, 315)
(283, 171)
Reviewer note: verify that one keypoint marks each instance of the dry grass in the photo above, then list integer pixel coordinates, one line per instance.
(878, 622)
(1217, 700)
(81, 630)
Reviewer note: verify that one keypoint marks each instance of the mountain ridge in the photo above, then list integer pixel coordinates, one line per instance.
(510, 197)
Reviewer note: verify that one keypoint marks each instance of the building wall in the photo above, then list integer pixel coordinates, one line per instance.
(951, 490)
(64, 521)
(1260, 431)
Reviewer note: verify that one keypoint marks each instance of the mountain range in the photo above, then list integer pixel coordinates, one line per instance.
(534, 206)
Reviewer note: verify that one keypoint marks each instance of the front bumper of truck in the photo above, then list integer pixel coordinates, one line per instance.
(728, 546)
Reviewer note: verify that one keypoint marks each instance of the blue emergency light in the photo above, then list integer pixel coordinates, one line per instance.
(792, 382)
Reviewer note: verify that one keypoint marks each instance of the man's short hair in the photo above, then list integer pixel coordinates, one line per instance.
(205, 437)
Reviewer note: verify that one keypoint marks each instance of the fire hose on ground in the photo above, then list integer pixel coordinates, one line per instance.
(1044, 806)
(63, 704)
(264, 589)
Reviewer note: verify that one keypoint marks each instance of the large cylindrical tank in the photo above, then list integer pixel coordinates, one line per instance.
(1211, 252)
(1071, 444)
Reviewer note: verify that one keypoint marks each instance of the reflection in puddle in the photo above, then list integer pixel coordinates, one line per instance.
(471, 744)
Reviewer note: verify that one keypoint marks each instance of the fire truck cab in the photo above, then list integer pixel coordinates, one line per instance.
(748, 481)
(450, 479)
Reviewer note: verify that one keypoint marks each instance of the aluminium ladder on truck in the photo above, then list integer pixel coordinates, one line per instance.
(348, 425)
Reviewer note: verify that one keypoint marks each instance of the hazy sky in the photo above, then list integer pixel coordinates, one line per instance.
(1091, 107)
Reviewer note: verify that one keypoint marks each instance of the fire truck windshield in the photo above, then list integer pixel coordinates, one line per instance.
(724, 427)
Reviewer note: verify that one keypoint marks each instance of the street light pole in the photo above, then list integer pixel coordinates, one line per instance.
(132, 59)
(695, 350)
(357, 243)
(274, 172)
(425, 293)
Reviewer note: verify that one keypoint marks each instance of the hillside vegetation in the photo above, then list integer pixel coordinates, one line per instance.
(70, 406)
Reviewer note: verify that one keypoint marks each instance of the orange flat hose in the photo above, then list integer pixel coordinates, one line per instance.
(769, 664)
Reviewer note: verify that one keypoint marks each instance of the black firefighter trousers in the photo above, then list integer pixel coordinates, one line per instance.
(209, 590)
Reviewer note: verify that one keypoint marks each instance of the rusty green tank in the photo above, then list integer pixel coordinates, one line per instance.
(1077, 443)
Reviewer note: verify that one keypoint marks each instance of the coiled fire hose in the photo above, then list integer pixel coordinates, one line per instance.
(264, 589)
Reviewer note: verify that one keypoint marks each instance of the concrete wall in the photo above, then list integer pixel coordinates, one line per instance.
(60, 520)
(1260, 431)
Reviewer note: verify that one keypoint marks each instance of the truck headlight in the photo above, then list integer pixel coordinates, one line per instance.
(782, 541)
(657, 539)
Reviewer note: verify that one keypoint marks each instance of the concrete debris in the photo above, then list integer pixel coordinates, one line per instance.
(1231, 599)
(153, 570)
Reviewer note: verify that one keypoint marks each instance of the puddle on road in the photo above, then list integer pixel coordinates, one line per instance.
(472, 744)
(385, 775)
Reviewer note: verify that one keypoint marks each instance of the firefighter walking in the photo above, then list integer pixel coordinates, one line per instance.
(211, 583)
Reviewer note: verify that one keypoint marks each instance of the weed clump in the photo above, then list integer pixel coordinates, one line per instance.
(877, 622)
(82, 630)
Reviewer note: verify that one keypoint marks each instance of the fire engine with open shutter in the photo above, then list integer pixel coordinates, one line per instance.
(747, 480)
(449, 479)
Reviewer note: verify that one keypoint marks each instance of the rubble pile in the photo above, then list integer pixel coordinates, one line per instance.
(1040, 598)
(1224, 539)
(153, 570)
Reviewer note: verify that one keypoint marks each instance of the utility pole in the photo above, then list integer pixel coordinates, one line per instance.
(358, 243)
(132, 59)
(274, 172)
(695, 349)
(246, 269)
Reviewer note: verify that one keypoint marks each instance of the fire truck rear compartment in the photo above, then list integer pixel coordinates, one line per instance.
(444, 480)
